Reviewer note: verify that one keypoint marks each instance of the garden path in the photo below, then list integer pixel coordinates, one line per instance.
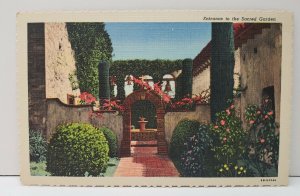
(145, 162)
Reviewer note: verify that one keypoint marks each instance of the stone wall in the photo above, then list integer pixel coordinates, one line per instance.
(261, 67)
(59, 113)
(202, 114)
(36, 77)
(59, 62)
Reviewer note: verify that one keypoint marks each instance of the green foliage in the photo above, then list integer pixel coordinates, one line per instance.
(196, 160)
(233, 170)
(222, 68)
(263, 139)
(230, 138)
(155, 68)
(146, 109)
(38, 169)
(37, 146)
(91, 44)
(73, 80)
(75, 149)
(187, 78)
(184, 130)
(104, 83)
(112, 140)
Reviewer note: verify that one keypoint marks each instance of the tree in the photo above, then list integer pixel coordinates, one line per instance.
(222, 67)
(91, 44)
(104, 83)
(187, 77)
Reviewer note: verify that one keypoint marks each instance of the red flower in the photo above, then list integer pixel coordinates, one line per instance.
(270, 113)
(224, 139)
(228, 112)
(251, 121)
(232, 106)
(262, 140)
(266, 116)
(258, 112)
(222, 122)
(216, 126)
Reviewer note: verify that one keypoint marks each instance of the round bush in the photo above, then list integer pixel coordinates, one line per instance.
(77, 149)
(196, 160)
(182, 132)
(111, 138)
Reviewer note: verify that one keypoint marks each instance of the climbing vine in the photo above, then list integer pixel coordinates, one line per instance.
(91, 44)
(155, 68)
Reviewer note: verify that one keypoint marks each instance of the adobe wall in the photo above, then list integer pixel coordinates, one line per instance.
(201, 82)
(260, 67)
(59, 62)
(201, 114)
(59, 113)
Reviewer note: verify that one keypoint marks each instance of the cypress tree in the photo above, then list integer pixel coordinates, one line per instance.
(187, 77)
(222, 67)
(104, 84)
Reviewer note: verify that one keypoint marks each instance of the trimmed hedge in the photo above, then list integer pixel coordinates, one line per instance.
(182, 132)
(77, 149)
(112, 140)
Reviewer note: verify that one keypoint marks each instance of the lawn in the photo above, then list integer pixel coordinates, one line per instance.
(39, 169)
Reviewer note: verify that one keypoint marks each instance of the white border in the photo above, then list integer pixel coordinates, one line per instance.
(160, 16)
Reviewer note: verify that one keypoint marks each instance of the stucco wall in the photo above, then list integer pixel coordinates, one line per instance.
(201, 82)
(59, 113)
(260, 67)
(202, 114)
(112, 121)
(59, 62)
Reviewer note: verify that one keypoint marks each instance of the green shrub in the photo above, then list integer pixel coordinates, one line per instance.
(37, 146)
(197, 156)
(111, 137)
(38, 169)
(263, 138)
(77, 149)
(184, 130)
(230, 138)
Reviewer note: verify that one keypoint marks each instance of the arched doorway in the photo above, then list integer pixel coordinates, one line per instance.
(142, 95)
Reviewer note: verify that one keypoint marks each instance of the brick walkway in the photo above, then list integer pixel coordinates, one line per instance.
(145, 162)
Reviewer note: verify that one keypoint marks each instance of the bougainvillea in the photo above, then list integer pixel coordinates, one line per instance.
(109, 105)
(156, 89)
(87, 98)
(263, 138)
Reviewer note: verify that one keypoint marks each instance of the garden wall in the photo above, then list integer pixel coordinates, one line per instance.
(201, 113)
(59, 113)
(260, 67)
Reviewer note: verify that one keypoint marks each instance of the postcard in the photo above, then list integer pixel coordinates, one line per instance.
(169, 98)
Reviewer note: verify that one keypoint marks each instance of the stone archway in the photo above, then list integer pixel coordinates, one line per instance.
(162, 147)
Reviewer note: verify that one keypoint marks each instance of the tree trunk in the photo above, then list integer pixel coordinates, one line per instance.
(222, 67)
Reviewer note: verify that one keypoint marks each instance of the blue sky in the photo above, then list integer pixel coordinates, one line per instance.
(158, 40)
